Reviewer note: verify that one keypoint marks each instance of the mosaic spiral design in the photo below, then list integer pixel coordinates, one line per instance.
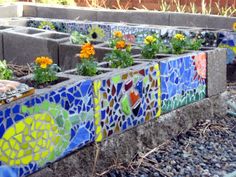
(45, 128)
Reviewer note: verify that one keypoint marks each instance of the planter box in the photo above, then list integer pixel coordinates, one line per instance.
(33, 43)
(183, 80)
(126, 99)
(46, 126)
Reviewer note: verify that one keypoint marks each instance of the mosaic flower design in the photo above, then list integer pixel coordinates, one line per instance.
(46, 25)
(130, 38)
(96, 33)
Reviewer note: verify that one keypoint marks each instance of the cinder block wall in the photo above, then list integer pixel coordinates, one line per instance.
(131, 16)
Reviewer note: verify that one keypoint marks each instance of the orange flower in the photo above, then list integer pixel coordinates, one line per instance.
(120, 44)
(118, 34)
(87, 51)
(43, 62)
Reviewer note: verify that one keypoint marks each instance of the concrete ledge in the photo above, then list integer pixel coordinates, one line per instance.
(131, 16)
(123, 147)
(66, 13)
(182, 19)
(30, 11)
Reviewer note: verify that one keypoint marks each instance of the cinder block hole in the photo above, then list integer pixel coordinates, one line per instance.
(29, 31)
(5, 27)
(54, 36)
(209, 29)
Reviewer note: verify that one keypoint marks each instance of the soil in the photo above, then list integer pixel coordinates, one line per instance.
(231, 73)
(32, 83)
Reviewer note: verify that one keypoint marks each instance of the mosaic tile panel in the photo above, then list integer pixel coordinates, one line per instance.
(183, 81)
(126, 100)
(227, 39)
(45, 128)
(86, 28)
(134, 34)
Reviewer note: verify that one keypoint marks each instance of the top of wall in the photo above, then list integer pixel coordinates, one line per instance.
(129, 16)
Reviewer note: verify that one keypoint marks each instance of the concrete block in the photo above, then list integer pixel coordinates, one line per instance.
(18, 22)
(11, 11)
(195, 20)
(216, 71)
(24, 45)
(2, 29)
(60, 100)
(66, 13)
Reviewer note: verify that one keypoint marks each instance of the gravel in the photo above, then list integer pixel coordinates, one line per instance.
(207, 150)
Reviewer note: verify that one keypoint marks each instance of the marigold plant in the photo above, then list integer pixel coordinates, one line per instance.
(151, 47)
(44, 70)
(116, 38)
(87, 66)
(178, 43)
(118, 34)
(234, 26)
(120, 57)
(5, 72)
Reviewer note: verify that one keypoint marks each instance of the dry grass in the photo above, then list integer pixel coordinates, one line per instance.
(175, 5)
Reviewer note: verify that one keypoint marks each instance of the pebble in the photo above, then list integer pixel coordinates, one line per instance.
(213, 155)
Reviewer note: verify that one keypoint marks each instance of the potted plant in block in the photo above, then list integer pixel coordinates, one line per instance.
(87, 67)
(120, 56)
(151, 47)
(44, 73)
(194, 43)
(178, 43)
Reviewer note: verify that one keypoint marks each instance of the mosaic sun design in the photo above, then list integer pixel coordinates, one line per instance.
(126, 100)
(183, 81)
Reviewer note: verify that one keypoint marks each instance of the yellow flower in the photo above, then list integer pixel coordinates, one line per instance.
(87, 51)
(43, 66)
(128, 48)
(120, 44)
(180, 37)
(149, 40)
(118, 34)
(43, 62)
(234, 26)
